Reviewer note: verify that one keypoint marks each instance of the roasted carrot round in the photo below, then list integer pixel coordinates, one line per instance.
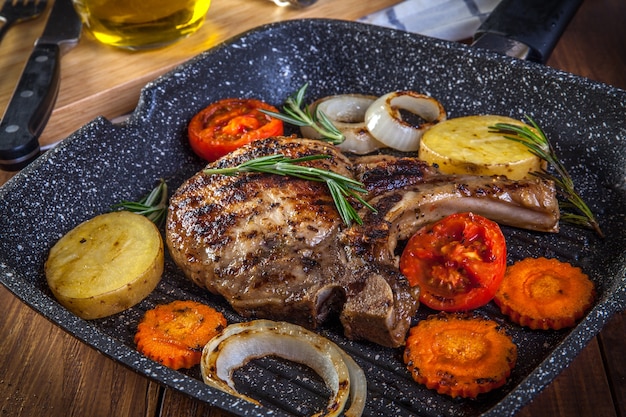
(459, 355)
(542, 293)
(174, 334)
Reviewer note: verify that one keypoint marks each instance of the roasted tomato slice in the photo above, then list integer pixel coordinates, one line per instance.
(230, 123)
(458, 262)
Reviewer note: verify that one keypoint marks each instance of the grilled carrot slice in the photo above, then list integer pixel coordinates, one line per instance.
(542, 293)
(174, 334)
(459, 355)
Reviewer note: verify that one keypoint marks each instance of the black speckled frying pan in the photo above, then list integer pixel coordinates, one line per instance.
(102, 164)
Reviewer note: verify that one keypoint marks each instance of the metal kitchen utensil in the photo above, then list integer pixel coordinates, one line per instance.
(294, 3)
(17, 11)
(526, 29)
(33, 99)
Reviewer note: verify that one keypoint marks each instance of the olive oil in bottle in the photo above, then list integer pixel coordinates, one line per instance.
(141, 24)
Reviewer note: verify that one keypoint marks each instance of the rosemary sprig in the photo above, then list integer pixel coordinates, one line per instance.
(538, 144)
(341, 188)
(153, 206)
(298, 114)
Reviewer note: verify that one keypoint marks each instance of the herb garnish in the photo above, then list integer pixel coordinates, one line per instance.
(538, 144)
(340, 187)
(298, 114)
(153, 206)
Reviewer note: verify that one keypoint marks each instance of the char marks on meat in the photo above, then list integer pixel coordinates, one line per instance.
(275, 246)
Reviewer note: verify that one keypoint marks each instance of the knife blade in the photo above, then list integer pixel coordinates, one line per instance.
(36, 92)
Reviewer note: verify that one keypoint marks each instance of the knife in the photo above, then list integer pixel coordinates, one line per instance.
(526, 29)
(34, 97)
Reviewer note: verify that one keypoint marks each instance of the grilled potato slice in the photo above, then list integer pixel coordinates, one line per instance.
(106, 264)
(464, 145)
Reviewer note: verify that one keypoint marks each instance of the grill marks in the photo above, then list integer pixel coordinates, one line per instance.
(275, 247)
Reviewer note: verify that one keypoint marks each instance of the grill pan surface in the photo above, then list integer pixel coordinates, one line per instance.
(102, 164)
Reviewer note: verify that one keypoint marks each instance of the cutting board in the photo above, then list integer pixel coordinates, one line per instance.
(99, 80)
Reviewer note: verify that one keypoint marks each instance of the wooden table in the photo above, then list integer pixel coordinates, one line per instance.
(44, 371)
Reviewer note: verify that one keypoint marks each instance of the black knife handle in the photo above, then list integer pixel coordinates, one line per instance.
(29, 108)
(536, 23)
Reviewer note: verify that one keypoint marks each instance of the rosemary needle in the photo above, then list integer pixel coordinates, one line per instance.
(153, 206)
(298, 114)
(340, 187)
(538, 144)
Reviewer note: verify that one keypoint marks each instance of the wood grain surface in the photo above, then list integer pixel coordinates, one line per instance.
(44, 371)
(101, 80)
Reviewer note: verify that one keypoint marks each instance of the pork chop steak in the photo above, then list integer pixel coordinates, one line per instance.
(275, 246)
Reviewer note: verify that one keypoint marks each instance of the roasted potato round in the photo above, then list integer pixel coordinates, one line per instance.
(464, 145)
(106, 264)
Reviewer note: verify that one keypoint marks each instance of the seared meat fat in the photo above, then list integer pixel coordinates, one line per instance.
(275, 247)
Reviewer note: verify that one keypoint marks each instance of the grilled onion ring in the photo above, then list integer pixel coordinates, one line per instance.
(347, 112)
(385, 123)
(239, 343)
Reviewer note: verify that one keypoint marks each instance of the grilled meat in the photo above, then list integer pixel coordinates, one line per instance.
(262, 241)
(529, 204)
(384, 173)
(275, 247)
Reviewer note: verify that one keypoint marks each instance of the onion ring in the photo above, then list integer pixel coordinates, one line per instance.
(239, 343)
(347, 113)
(384, 121)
